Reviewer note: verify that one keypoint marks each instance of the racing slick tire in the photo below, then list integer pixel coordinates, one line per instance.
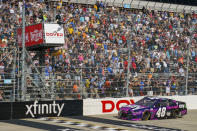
(119, 115)
(176, 114)
(146, 116)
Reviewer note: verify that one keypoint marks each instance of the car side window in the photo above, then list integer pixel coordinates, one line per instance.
(172, 103)
(157, 105)
(163, 104)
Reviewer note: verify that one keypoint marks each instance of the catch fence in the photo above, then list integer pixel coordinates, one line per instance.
(78, 83)
(87, 82)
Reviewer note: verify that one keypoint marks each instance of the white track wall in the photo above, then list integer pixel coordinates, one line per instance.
(191, 100)
(110, 105)
(95, 106)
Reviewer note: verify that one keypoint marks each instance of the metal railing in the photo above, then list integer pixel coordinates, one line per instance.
(8, 76)
(56, 85)
(61, 85)
(79, 85)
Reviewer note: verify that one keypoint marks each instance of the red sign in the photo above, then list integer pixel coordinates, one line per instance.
(104, 110)
(33, 35)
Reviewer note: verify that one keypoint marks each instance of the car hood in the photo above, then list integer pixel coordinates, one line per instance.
(133, 107)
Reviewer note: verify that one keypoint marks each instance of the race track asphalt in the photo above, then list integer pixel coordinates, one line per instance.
(100, 122)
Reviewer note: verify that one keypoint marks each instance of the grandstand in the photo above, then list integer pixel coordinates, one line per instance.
(100, 37)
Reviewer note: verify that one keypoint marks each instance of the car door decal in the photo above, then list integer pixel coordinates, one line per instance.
(161, 112)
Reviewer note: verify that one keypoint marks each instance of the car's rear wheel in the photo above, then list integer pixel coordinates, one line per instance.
(146, 116)
(119, 115)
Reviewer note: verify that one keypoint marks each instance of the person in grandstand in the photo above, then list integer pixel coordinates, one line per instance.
(100, 35)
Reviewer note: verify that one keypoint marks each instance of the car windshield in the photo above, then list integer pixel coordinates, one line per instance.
(146, 102)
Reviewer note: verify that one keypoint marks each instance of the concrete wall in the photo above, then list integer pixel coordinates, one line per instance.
(111, 105)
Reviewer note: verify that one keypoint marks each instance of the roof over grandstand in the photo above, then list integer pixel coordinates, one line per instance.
(163, 5)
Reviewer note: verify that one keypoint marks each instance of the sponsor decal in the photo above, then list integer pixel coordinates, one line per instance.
(168, 113)
(109, 102)
(33, 35)
(181, 106)
(36, 35)
(54, 34)
(37, 108)
(161, 112)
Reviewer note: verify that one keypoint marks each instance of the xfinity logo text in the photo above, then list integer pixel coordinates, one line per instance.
(36, 108)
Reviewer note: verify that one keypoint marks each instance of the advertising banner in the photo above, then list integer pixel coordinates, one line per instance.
(47, 108)
(54, 34)
(33, 109)
(33, 35)
(105, 106)
(112, 105)
(5, 110)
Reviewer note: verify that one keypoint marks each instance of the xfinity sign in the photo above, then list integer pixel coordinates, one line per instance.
(37, 109)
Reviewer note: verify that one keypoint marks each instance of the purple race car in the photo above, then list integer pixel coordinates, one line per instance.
(152, 108)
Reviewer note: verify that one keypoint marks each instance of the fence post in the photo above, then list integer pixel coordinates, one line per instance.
(139, 4)
(154, 5)
(191, 9)
(122, 3)
(53, 85)
(18, 78)
(131, 3)
(162, 7)
(54, 12)
(184, 7)
(23, 80)
(113, 3)
(81, 83)
(177, 8)
(188, 60)
(14, 69)
(128, 67)
(147, 4)
(169, 6)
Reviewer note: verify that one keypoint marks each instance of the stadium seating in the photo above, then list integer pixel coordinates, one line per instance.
(97, 38)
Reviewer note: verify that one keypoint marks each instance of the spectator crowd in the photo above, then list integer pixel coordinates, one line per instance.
(97, 40)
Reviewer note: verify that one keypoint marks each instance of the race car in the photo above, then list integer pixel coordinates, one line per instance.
(152, 108)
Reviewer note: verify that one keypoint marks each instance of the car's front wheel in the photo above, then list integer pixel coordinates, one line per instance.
(146, 116)
(176, 113)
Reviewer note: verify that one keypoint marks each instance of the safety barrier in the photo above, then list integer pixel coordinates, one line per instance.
(33, 109)
(112, 105)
